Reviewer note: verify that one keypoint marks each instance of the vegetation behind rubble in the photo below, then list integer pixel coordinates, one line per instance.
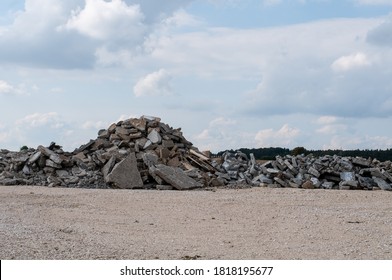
(272, 152)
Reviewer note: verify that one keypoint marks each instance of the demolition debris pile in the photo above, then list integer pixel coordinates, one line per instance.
(134, 153)
(309, 172)
(147, 153)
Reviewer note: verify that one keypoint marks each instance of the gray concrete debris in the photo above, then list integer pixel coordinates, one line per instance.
(154, 137)
(147, 153)
(176, 177)
(382, 184)
(125, 174)
(328, 172)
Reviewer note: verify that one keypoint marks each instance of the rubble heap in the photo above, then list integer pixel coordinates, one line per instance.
(134, 153)
(308, 172)
(147, 153)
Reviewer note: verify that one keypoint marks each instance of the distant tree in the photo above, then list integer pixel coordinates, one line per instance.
(298, 151)
(24, 148)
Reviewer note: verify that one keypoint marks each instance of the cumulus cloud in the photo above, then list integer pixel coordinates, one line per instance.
(330, 125)
(181, 18)
(104, 20)
(154, 84)
(38, 129)
(222, 133)
(156, 11)
(76, 33)
(95, 125)
(332, 129)
(284, 137)
(326, 120)
(382, 34)
(348, 62)
(6, 88)
(296, 78)
(33, 39)
(345, 142)
(9, 89)
(51, 119)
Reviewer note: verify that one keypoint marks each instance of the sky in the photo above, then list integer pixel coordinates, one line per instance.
(232, 74)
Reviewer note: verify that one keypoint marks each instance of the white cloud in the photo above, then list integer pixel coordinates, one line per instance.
(374, 2)
(346, 63)
(346, 142)
(105, 20)
(77, 34)
(9, 89)
(326, 120)
(154, 84)
(39, 129)
(222, 121)
(284, 137)
(271, 2)
(181, 18)
(332, 129)
(222, 133)
(33, 38)
(155, 11)
(330, 125)
(6, 88)
(51, 119)
(382, 34)
(95, 125)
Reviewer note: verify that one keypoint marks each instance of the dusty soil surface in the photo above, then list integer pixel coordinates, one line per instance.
(257, 223)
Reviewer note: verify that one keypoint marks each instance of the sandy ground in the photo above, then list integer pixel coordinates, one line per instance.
(257, 223)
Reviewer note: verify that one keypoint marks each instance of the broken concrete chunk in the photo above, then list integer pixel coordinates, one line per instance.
(56, 158)
(281, 182)
(103, 133)
(154, 137)
(147, 144)
(168, 144)
(151, 118)
(361, 161)
(327, 185)
(34, 157)
(174, 162)
(140, 124)
(176, 177)
(347, 176)
(52, 164)
(108, 168)
(314, 172)
(307, 185)
(125, 174)
(151, 171)
(382, 184)
(150, 158)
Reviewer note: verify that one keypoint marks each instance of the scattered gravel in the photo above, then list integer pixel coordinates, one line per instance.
(255, 223)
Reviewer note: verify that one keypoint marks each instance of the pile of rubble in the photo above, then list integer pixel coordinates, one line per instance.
(308, 172)
(147, 153)
(134, 153)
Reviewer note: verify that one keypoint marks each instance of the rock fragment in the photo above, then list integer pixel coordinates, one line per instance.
(125, 174)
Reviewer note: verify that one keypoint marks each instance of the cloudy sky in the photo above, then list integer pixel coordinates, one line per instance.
(230, 73)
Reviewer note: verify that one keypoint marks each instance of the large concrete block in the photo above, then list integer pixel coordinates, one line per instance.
(176, 177)
(125, 174)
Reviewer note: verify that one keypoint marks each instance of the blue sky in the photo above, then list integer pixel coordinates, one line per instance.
(251, 73)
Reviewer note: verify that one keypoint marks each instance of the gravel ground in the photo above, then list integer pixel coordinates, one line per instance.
(257, 223)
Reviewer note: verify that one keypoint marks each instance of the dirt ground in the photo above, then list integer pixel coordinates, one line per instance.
(257, 223)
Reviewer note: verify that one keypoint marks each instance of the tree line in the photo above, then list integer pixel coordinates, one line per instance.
(272, 152)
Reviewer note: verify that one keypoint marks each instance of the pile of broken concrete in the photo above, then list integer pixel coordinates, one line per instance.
(147, 153)
(308, 172)
(134, 153)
